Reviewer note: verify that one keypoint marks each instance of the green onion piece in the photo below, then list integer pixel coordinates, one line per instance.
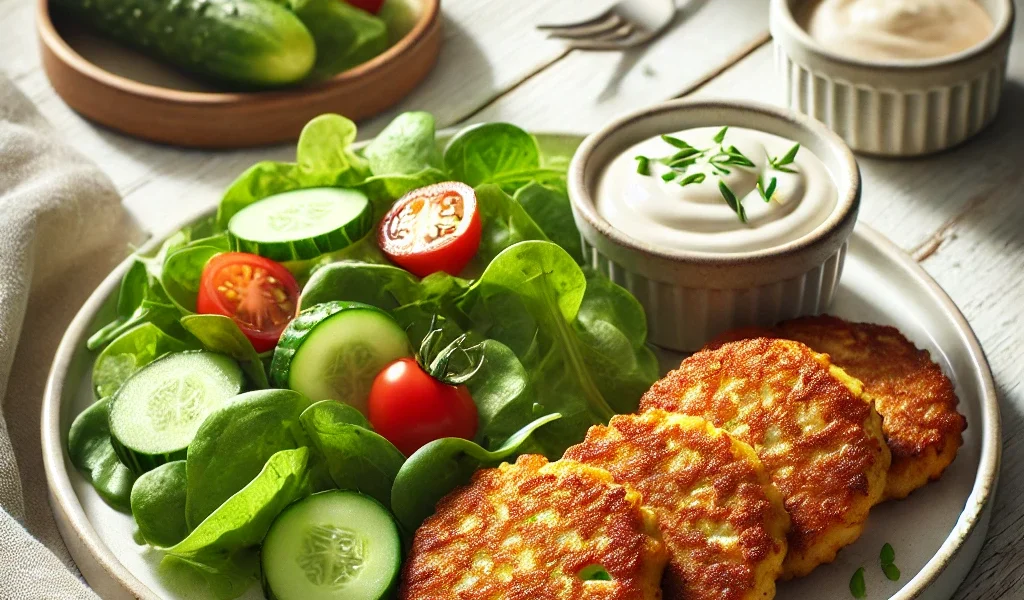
(674, 141)
(857, 587)
(668, 176)
(643, 165)
(720, 136)
(694, 178)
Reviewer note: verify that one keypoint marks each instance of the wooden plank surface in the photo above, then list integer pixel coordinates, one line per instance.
(961, 214)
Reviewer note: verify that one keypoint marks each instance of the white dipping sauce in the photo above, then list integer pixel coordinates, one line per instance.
(696, 217)
(898, 29)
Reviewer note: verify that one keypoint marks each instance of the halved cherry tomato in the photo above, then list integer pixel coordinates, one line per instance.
(370, 6)
(411, 408)
(259, 294)
(435, 228)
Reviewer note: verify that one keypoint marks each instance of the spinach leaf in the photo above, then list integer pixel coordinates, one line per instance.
(90, 451)
(131, 351)
(235, 441)
(404, 156)
(141, 299)
(436, 469)
(344, 35)
(324, 158)
(498, 153)
(158, 504)
(529, 299)
(221, 334)
(383, 286)
(219, 542)
(503, 223)
(356, 457)
(182, 270)
(551, 210)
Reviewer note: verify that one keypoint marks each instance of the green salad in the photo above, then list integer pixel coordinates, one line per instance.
(286, 388)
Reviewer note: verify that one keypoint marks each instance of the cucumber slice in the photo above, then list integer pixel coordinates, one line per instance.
(334, 350)
(301, 224)
(335, 545)
(155, 414)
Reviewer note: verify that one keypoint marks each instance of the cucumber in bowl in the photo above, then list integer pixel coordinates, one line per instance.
(334, 350)
(334, 545)
(155, 414)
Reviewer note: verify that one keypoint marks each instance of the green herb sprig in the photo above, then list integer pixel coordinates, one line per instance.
(858, 589)
(733, 202)
(887, 559)
(781, 164)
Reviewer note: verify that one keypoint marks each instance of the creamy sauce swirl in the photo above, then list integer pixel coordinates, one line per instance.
(898, 29)
(696, 216)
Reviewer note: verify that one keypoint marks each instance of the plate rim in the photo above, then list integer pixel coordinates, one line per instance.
(72, 520)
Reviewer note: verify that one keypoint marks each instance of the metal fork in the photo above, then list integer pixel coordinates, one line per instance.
(625, 24)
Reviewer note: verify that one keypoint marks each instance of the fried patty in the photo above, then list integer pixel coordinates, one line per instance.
(721, 516)
(818, 436)
(536, 530)
(920, 420)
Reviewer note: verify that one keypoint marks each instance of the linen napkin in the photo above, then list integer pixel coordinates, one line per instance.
(62, 228)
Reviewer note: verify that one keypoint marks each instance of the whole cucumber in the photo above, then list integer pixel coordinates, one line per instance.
(247, 42)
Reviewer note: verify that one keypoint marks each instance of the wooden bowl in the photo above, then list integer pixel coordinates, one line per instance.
(141, 97)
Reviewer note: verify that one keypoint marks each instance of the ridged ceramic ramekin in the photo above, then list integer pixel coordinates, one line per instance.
(692, 296)
(894, 108)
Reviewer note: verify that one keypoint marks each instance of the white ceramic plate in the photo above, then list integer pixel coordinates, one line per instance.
(937, 532)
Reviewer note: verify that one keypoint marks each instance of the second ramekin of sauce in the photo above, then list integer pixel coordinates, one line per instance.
(894, 78)
(716, 215)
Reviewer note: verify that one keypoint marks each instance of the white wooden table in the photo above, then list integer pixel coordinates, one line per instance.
(960, 213)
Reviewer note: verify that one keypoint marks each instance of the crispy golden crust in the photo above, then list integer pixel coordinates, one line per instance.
(820, 440)
(922, 426)
(722, 518)
(526, 531)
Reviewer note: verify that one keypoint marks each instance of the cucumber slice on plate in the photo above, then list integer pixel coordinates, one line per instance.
(334, 350)
(155, 414)
(334, 545)
(301, 224)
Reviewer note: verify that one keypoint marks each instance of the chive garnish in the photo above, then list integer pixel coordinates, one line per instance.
(766, 194)
(779, 164)
(887, 558)
(720, 136)
(643, 165)
(693, 178)
(668, 176)
(674, 141)
(857, 587)
(732, 201)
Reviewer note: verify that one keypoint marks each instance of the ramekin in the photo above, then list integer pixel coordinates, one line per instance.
(894, 108)
(689, 296)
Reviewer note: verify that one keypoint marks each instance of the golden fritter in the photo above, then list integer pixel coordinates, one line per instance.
(721, 516)
(920, 420)
(536, 530)
(808, 421)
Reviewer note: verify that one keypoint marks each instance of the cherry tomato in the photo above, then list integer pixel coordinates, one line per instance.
(435, 228)
(410, 408)
(370, 6)
(259, 294)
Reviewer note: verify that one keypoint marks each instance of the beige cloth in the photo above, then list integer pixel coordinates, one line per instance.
(62, 228)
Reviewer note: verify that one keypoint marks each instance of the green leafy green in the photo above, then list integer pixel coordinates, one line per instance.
(324, 158)
(141, 299)
(235, 441)
(182, 270)
(530, 299)
(552, 208)
(503, 222)
(218, 544)
(405, 156)
(345, 36)
(498, 153)
(221, 334)
(356, 457)
(443, 465)
(131, 351)
(90, 451)
(158, 504)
